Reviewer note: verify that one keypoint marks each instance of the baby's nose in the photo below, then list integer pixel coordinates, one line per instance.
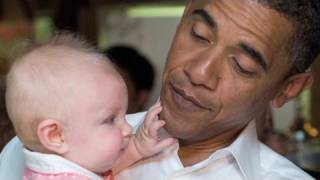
(126, 129)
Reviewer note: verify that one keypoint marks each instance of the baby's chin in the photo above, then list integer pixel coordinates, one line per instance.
(103, 169)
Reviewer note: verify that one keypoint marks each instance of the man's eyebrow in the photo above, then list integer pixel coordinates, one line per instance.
(255, 55)
(206, 17)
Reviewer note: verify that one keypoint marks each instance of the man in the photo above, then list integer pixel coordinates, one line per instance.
(229, 61)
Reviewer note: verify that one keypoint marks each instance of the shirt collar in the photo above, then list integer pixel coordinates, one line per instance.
(50, 163)
(245, 150)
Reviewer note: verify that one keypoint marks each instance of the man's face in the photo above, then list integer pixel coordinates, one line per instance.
(227, 62)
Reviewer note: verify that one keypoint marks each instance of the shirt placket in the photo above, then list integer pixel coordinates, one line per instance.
(185, 173)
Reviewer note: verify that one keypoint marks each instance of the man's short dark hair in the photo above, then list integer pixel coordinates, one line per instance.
(305, 16)
(135, 63)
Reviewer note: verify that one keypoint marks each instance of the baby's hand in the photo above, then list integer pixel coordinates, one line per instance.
(147, 140)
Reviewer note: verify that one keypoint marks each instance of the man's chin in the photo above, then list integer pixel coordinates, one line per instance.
(178, 131)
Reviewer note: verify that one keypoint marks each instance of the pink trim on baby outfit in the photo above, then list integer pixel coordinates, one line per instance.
(33, 175)
(40, 166)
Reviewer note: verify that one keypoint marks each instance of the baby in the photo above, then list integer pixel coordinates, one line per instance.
(68, 104)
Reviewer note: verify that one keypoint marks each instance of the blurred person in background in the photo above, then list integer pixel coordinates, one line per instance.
(137, 72)
(16, 25)
(268, 135)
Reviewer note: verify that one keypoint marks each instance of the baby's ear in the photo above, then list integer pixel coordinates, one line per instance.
(51, 136)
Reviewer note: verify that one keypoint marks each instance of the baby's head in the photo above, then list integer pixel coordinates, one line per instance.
(65, 98)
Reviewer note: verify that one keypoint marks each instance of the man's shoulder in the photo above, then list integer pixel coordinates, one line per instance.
(275, 166)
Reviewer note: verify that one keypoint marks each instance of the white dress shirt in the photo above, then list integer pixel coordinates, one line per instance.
(246, 158)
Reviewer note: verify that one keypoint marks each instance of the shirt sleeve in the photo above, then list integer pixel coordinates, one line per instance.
(12, 160)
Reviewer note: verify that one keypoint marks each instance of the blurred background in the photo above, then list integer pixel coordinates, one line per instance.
(142, 30)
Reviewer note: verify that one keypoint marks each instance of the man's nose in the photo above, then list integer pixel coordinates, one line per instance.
(204, 71)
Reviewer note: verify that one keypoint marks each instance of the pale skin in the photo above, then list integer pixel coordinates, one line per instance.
(92, 130)
(146, 142)
(214, 85)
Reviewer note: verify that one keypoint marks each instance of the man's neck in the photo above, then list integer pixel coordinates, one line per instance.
(192, 153)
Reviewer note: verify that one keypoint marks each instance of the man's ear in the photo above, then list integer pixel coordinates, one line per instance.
(292, 87)
(51, 136)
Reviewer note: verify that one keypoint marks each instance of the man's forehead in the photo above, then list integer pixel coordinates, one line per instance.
(267, 29)
(244, 11)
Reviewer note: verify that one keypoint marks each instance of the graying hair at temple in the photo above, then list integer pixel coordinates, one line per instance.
(305, 16)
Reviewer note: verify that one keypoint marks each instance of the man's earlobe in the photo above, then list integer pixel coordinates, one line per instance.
(292, 87)
(51, 136)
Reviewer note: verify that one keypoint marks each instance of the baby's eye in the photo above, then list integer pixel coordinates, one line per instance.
(109, 120)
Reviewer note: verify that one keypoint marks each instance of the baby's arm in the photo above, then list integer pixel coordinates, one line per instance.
(145, 142)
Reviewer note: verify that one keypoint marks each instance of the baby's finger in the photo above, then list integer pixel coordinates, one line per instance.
(154, 127)
(152, 115)
(165, 143)
(155, 106)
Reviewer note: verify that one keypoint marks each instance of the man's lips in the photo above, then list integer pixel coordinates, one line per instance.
(190, 98)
